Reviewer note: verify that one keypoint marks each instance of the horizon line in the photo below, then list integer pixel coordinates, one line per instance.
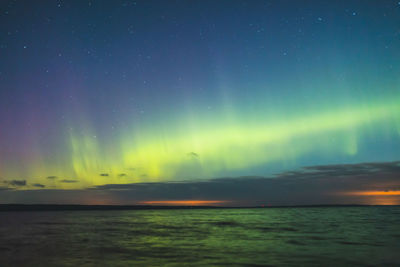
(83, 207)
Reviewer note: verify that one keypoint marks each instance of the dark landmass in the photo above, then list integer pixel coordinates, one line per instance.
(71, 207)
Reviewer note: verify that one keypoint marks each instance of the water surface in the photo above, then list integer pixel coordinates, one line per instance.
(226, 237)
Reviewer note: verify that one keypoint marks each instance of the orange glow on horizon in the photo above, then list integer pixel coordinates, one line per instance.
(374, 193)
(183, 202)
(376, 197)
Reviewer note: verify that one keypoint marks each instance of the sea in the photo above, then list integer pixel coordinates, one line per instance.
(307, 236)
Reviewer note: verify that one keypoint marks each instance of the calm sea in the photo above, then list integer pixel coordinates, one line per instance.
(207, 237)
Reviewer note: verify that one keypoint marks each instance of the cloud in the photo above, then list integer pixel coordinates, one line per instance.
(325, 184)
(193, 154)
(357, 169)
(310, 185)
(16, 183)
(69, 181)
(104, 174)
(39, 185)
(51, 177)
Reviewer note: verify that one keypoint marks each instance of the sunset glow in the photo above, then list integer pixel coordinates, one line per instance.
(375, 193)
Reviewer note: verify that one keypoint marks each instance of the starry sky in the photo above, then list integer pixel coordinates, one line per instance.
(127, 102)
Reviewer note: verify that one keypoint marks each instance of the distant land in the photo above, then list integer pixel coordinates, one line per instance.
(77, 207)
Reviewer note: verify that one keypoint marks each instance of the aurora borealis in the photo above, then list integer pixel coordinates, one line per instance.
(97, 93)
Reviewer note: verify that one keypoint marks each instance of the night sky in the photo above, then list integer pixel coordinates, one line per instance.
(238, 102)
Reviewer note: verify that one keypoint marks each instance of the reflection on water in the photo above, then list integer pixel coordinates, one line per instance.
(287, 236)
